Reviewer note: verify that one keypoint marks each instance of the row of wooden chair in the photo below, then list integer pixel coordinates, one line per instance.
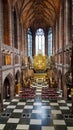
(49, 93)
(28, 93)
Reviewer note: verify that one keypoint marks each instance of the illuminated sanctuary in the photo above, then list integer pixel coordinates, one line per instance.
(36, 64)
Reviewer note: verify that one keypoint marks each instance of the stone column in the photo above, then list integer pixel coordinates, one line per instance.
(18, 34)
(57, 35)
(57, 39)
(72, 20)
(23, 47)
(22, 55)
(61, 40)
(26, 50)
(13, 52)
(1, 42)
(61, 28)
(1, 25)
(25, 43)
(61, 46)
(72, 55)
(66, 22)
(10, 25)
(67, 37)
(46, 42)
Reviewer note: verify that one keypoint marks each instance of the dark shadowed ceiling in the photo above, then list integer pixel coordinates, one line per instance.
(37, 13)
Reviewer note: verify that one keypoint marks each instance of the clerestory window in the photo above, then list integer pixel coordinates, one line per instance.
(40, 42)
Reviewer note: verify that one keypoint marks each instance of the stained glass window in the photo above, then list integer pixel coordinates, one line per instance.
(29, 43)
(50, 42)
(40, 42)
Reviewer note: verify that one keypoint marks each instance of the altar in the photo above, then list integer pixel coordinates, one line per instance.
(40, 77)
(40, 65)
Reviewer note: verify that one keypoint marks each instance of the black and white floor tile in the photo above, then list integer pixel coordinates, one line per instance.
(36, 114)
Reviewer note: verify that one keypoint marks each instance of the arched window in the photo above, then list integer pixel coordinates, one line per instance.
(50, 42)
(29, 43)
(40, 42)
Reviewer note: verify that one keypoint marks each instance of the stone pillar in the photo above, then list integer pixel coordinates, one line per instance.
(22, 56)
(26, 51)
(57, 39)
(66, 22)
(61, 40)
(33, 43)
(72, 19)
(67, 38)
(61, 46)
(18, 39)
(10, 24)
(46, 42)
(72, 40)
(18, 34)
(57, 35)
(12, 34)
(1, 42)
(61, 28)
(25, 43)
(1, 25)
(23, 47)
(13, 53)
(10, 14)
(72, 55)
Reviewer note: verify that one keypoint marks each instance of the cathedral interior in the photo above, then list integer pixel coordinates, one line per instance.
(36, 64)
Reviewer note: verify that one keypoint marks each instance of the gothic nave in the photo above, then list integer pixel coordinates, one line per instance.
(36, 64)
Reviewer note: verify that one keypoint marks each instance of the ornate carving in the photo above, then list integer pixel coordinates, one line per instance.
(40, 62)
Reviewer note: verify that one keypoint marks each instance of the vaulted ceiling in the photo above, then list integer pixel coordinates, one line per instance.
(37, 13)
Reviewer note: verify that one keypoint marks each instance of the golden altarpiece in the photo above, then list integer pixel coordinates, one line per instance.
(44, 68)
(40, 66)
(40, 71)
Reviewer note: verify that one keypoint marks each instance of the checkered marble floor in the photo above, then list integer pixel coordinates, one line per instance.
(36, 114)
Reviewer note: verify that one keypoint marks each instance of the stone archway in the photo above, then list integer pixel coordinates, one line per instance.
(8, 87)
(6, 90)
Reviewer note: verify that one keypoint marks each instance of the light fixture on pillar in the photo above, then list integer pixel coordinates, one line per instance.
(26, 61)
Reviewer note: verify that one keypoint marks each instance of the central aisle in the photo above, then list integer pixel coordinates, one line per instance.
(36, 114)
